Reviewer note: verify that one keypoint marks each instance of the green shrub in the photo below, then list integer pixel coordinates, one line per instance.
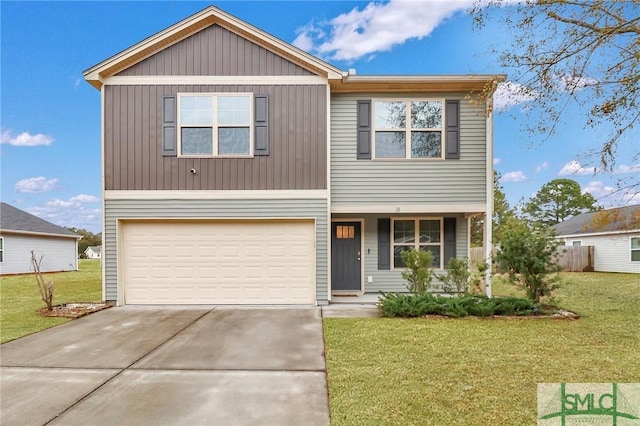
(529, 255)
(419, 273)
(456, 278)
(418, 305)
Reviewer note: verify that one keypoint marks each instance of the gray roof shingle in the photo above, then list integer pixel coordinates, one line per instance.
(618, 219)
(14, 219)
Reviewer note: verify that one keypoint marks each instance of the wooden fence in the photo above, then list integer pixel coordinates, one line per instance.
(570, 258)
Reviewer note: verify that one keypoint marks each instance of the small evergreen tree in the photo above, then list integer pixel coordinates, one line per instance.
(529, 255)
(419, 274)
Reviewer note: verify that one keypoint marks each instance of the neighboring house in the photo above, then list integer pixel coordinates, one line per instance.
(238, 169)
(93, 252)
(614, 234)
(21, 232)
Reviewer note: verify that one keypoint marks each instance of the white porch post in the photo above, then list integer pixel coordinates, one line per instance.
(488, 218)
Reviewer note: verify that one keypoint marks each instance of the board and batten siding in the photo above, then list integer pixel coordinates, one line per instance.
(612, 253)
(213, 209)
(391, 280)
(59, 254)
(407, 181)
(214, 51)
(133, 136)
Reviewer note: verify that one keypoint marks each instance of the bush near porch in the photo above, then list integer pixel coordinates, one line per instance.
(475, 371)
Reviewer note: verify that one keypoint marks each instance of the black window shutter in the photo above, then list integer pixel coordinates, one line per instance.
(169, 131)
(449, 239)
(261, 125)
(384, 244)
(364, 129)
(452, 116)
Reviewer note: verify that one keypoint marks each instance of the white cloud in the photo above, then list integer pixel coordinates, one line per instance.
(541, 167)
(36, 184)
(25, 139)
(622, 169)
(570, 83)
(510, 94)
(574, 168)
(376, 28)
(76, 212)
(84, 198)
(496, 161)
(610, 196)
(516, 176)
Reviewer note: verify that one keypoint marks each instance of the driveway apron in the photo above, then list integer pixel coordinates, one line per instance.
(170, 366)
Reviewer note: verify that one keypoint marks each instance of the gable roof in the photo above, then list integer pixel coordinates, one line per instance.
(191, 25)
(617, 220)
(18, 221)
(95, 249)
(340, 81)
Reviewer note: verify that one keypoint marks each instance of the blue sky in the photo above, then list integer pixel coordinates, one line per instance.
(50, 117)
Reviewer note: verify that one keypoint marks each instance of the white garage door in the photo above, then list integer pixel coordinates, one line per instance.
(221, 262)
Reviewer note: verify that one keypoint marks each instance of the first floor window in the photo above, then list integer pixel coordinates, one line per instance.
(408, 128)
(635, 249)
(1, 249)
(421, 234)
(576, 243)
(214, 125)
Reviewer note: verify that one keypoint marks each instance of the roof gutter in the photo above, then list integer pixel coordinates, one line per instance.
(38, 234)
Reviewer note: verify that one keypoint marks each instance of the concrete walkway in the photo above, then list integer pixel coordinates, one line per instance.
(170, 366)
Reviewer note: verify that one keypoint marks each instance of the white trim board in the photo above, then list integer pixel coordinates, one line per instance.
(216, 195)
(597, 234)
(410, 208)
(156, 80)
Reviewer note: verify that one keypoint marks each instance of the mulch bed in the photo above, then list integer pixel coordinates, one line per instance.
(72, 310)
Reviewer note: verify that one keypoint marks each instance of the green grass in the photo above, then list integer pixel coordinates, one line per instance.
(481, 371)
(20, 298)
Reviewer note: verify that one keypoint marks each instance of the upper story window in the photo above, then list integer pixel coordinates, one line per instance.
(408, 128)
(215, 124)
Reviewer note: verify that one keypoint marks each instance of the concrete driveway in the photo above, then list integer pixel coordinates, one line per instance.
(170, 366)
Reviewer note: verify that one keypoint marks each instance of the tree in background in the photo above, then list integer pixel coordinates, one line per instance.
(558, 200)
(575, 52)
(502, 215)
(88, 239)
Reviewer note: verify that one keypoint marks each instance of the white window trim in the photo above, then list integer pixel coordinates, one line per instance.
(576, 241)
(631, 249)
(214, 126)
(2, 249)
(417, 240)
(407, 154)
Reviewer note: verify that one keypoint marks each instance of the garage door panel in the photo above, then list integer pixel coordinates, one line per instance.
(266, 262)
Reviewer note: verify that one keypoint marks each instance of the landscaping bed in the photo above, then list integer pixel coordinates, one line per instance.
(426, 304)
(72, 310)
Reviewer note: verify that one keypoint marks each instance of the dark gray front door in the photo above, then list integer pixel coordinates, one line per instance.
(345, 256)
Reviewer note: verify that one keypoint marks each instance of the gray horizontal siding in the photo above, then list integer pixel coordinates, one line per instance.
(213, 209)
(58, 254)
(394, 182)
(214, 51)
(297, 132)
(391, 280)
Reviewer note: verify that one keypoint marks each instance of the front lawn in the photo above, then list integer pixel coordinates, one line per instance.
(475, 371)
(19, 298)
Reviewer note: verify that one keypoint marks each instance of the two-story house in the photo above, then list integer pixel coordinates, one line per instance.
(239, 169)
